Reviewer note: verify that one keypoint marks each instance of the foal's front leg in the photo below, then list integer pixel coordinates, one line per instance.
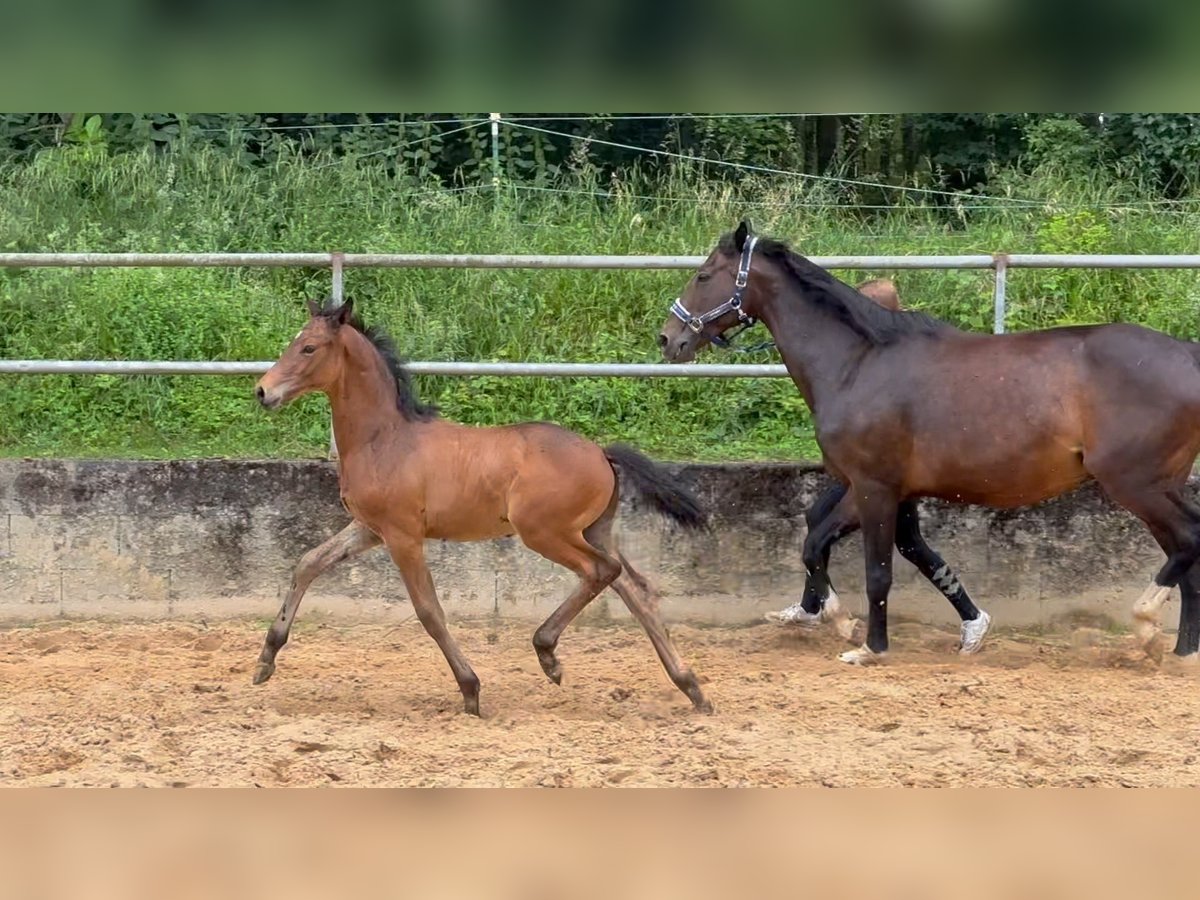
(352, 540)
(877, 505)
(408, 553)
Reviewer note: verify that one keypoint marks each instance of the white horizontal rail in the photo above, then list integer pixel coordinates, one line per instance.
(556, 370)
(337, 261)
(452, 261)
(511, 261)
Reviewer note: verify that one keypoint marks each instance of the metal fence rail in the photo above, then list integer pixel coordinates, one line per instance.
(559, 370)
(999, 263)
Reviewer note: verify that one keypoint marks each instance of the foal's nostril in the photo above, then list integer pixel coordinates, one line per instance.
(662, 341)
(260, 394)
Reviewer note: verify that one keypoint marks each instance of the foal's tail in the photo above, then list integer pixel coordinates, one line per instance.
(656, 486)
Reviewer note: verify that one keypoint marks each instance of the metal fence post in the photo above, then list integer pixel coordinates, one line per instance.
(1001, 263)
(495, 117)
(338, 295)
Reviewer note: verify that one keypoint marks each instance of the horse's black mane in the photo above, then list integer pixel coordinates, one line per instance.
(878, 325)
(406, 398)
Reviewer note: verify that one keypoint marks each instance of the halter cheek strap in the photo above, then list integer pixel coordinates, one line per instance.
(733, 304)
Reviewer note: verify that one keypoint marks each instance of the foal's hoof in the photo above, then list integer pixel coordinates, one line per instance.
(264, 671)
(703, 706)
(862, 656)
(549, 664)
(973, 633)
(471, 706)
(846, 627)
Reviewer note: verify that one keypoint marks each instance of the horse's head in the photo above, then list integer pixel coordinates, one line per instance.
(311, 362)
(713, 301)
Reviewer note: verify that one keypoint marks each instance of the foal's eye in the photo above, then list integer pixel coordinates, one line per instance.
(309, 350)
(703, 276)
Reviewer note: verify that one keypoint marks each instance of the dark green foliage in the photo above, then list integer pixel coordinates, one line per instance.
(273, 193)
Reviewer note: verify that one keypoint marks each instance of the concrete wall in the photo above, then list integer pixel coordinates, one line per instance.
(215, 538)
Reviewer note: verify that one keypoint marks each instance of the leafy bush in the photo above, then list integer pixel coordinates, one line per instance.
(83, 197)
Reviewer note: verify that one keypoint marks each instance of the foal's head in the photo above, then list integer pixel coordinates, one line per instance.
(311, 362)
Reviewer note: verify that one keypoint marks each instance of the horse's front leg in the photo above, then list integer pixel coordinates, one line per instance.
(877, 505)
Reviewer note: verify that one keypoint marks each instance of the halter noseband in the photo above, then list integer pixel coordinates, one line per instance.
(733, 304)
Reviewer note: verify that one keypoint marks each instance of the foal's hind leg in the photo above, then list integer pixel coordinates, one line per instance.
(596, 570)
(352, 540)
(912, 546)
(635, 592)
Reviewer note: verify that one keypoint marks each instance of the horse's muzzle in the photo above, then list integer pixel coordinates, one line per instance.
(678, 349)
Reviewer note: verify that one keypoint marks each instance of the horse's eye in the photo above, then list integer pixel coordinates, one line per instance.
(703, 276)
(309, 350)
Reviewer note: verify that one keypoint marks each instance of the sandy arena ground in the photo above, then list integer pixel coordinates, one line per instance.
(171, 704)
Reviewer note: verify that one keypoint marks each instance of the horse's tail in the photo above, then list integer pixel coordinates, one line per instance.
(658, 487)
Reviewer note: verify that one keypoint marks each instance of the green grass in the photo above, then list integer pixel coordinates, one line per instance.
(80, 198)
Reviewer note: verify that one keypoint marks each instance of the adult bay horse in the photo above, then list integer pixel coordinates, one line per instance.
(820, 603)
(906, 406)
(407, 475)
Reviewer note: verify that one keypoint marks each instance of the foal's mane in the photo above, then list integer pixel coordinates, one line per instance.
(406, 398)
(878, 325)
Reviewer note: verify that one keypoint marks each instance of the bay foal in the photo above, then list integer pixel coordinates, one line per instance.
(406, 476)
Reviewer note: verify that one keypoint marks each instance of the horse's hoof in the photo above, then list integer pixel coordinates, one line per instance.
(862, 656)
(704, 706)
(973, 633)
(263, 672)
(471, 706)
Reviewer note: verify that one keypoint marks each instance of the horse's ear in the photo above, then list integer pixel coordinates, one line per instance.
(740, 236)
(342, 315)
(314, 308)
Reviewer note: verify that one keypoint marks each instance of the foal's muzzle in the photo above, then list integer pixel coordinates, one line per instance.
(271, 400)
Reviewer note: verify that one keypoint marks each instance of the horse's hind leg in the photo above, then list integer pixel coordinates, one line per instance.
(1176, 527)
(352, 540)
(635, 592)
(1187, 642)
(912, 546)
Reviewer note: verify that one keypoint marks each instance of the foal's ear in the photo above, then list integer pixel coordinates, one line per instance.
(314, 308)
(342, 314)
(740, 236)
